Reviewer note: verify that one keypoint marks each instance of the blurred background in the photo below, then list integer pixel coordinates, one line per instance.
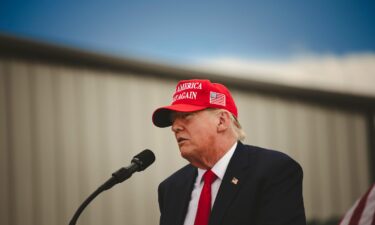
(79, 82)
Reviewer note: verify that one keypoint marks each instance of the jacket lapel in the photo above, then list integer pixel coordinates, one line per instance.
(230, 185)
(183, 194)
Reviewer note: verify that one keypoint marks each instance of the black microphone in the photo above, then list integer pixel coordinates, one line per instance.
(138, 163)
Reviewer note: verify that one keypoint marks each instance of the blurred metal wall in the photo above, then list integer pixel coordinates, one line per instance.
(64, 129)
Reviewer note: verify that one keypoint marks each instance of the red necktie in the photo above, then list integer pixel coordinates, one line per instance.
(204, 204)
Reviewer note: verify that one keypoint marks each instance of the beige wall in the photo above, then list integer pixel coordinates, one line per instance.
(64, 130)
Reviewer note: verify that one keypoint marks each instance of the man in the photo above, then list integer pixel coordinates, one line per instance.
(226, 182)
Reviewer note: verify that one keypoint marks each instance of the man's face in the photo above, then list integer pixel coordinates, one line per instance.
(196, 134)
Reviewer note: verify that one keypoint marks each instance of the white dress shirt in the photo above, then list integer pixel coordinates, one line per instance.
(219, 170)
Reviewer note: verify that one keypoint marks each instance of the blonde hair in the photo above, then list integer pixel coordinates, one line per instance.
(241, 135)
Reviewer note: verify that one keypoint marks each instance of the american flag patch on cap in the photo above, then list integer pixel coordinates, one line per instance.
(217, 98)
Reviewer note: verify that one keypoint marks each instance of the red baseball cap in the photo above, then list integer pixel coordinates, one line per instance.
(194, 95)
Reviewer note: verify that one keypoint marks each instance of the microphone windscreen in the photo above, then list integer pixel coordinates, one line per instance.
(144, 159)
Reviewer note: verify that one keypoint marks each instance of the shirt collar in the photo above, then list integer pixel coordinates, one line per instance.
(221, 166)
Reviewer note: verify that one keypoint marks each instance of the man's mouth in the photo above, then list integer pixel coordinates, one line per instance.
(181, 139)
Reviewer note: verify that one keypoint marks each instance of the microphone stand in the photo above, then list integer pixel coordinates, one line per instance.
(73, 221)
(119, 176)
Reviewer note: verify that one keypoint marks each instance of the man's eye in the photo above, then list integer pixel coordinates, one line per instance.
(180, 116)
(184, 115)
(187, 115)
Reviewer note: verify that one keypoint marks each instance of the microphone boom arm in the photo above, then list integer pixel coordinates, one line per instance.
(117, 177)
(73, 221)
(138, 163)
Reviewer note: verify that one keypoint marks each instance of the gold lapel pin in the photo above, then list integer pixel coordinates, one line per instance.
(235, 181)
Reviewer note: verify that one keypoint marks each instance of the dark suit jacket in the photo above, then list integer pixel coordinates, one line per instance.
(268, 191)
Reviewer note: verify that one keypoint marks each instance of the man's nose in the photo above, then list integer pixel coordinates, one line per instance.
(177, 125)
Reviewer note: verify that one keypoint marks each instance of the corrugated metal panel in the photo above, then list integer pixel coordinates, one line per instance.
(4, 152)
(64, 130)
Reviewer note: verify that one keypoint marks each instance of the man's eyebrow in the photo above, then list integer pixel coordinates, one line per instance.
(181, 114)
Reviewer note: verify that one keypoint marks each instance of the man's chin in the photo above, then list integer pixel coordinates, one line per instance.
(185, 153)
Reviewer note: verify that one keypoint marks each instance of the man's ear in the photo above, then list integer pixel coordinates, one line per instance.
(224, 121)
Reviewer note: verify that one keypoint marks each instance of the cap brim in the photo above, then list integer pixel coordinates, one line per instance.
(162, 116)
